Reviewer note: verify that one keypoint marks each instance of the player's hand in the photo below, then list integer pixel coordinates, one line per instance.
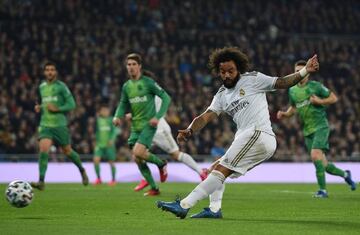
(280, 115)
(154, 122)
(37, 108)
(116, 121)
(315, 100)
(52, 108)
(312, 65)
(184, 135)
(128, 117)
(110, 143)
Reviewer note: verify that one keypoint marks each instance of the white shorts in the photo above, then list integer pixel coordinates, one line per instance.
(164, 139)
(249, 149)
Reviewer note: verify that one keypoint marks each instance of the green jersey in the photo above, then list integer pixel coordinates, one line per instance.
(313, 117)
(139, 97)
(58, 94)
(105, 132)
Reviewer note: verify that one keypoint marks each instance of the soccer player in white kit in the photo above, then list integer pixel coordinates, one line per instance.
(243, 97)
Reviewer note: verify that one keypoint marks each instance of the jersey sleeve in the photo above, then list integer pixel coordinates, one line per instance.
(215, 105)
(265, 83)
(291, 99)
(322, 91)
(69, 103)
(165, 98)
(123, 104)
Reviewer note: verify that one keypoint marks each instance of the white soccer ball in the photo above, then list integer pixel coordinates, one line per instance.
(19, 193)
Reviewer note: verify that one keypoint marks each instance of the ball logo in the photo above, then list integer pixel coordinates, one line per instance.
(242, 92)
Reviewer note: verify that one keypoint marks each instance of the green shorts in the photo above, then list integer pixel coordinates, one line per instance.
(318, 140)
(60, 135)
(144, 137)
(105, 152)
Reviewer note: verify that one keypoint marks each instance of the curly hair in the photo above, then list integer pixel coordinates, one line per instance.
(227, 54)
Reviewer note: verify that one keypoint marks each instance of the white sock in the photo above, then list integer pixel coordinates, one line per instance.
(216, 199)
(204, 189)
(189, 161)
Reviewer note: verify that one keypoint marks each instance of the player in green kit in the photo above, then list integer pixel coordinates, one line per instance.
(138, 96)
(56, 101)
(310, 99)
(105, 143)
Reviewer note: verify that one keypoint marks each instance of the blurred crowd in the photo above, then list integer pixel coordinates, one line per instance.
(90, 39)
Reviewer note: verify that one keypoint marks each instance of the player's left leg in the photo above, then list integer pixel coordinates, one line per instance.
(111, 156)
(190, 162)
(113, 173)
(75, 158)
(62, 137)
(165, 141)
(141, 147)
(97, 160)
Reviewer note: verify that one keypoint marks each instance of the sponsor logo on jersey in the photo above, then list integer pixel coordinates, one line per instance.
(302, 104)
(138, 99)
(237, 106)
(49, 99)
(105, 128)
(242, 92)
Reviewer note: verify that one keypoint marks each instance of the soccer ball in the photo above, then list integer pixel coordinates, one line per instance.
(19, 193)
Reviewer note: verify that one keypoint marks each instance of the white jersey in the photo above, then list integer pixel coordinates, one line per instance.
(163, 137)
(246, 103)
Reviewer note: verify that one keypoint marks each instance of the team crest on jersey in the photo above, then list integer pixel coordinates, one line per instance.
(242, 92)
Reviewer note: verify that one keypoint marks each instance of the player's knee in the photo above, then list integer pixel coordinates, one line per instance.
(67, 151)
(316, 154)
(139, 153)
(175, 155)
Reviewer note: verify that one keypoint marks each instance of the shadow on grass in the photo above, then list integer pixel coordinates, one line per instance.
(340, 224)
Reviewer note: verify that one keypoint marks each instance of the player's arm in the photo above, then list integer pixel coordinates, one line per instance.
(331, 99)
(290, 80)
(163, 95)
(197, 124)
(287, 114)
(69, 102)
(37, 107)
(122, 107)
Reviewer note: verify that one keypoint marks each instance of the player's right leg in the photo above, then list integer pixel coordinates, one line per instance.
(44, 146)
(320, 162)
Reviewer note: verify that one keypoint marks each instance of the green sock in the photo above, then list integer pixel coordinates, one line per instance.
(154, 159)
(320, 174)
(97, 170)
(333, 170)
(113, 172)
(145, 171)
(43, 162)
(75, 158)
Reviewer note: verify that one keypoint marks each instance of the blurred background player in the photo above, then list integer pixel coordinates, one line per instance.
(56, 101)
(105, 143)
(310, 99)
(243, 97)
(164, 140)
(138, 96)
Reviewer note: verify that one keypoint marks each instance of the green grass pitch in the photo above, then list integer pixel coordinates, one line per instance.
(247, 209)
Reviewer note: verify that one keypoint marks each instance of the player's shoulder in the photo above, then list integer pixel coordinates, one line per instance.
(314, 83)
(60, 83)
(220, 90)
(250, 74)
(42, 84)
(147, 79)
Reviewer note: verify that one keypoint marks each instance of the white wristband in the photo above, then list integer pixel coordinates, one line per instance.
(303, 72)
